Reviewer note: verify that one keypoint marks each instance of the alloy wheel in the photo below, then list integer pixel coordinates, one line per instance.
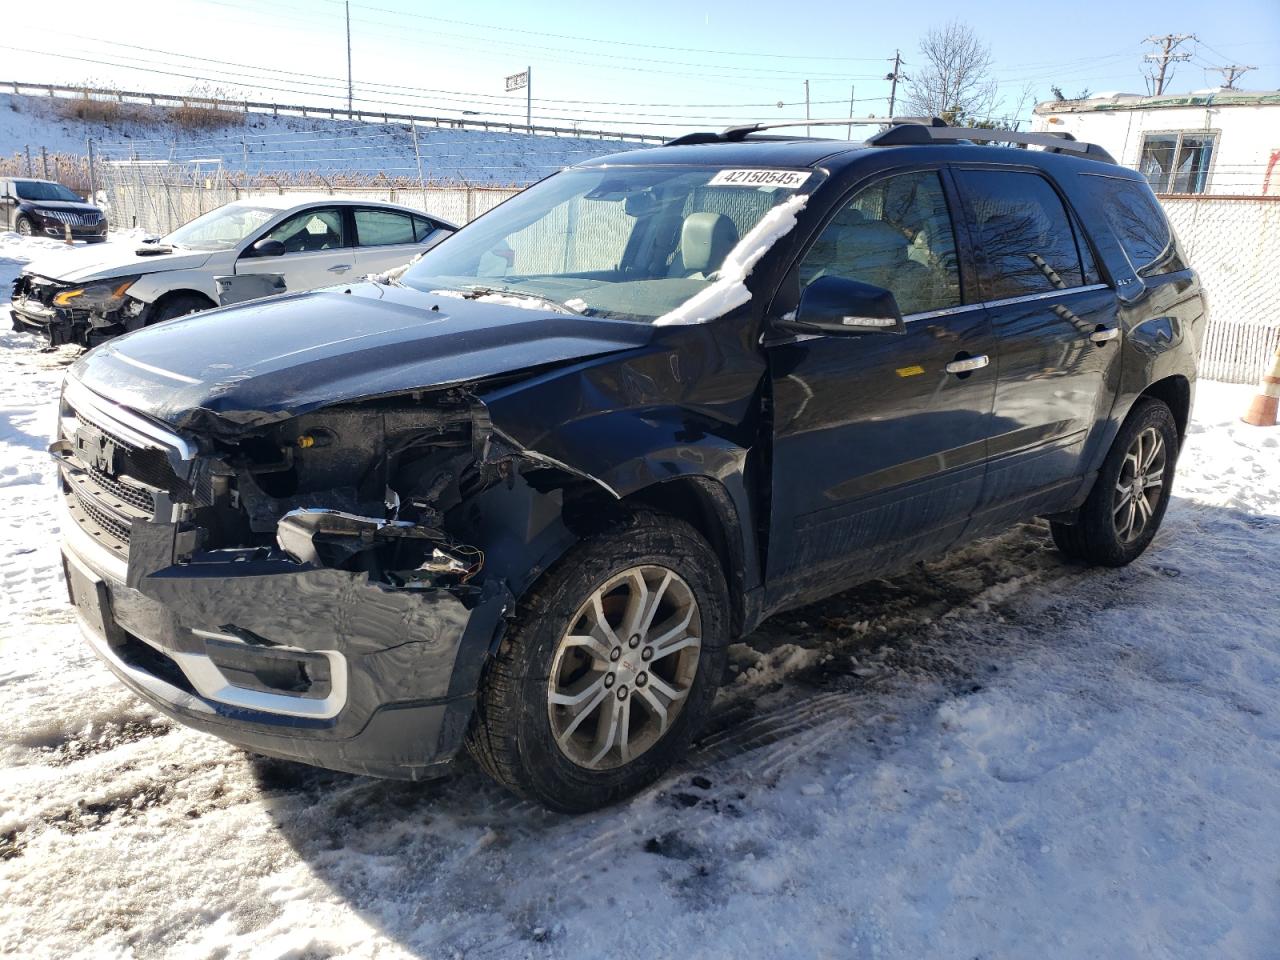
(1139, 486)
(623, 669)
(24, 228)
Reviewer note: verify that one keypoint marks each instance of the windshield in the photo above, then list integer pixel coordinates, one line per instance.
(627, 242)
(39, 190)
(220, 229)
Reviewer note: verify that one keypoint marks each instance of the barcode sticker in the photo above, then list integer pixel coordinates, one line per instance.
(786, 179)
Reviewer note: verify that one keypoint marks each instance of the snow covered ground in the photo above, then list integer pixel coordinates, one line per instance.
(998, 755)
(269, 144)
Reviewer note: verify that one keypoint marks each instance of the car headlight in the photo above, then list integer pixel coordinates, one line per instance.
(105, 296)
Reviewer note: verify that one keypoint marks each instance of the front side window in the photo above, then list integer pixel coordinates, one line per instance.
(381, 228)
(310, 231)
(894, 234)
(1025, 243)
(1177, 162)
(632, 243)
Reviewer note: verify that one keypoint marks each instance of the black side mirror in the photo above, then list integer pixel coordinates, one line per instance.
(841, 306)
(268, 248)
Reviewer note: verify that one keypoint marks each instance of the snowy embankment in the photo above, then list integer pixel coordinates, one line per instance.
(261, 143)
(996, 755)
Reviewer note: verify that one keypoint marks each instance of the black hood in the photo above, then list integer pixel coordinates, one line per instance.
(250, 365)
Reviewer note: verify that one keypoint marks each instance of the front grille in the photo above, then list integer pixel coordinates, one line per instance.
(111, 482)
(134, 496)
(70, 218)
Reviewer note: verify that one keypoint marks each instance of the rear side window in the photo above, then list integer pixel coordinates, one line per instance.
(1138, 222)
(381, 228)
(1023, 234)
(423, 228)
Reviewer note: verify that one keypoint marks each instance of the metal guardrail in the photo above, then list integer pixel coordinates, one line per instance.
(331, 113)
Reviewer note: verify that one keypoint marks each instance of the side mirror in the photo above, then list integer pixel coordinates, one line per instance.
(268, 248)
(839, 306)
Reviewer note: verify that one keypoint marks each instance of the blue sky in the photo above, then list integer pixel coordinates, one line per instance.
(661, 66)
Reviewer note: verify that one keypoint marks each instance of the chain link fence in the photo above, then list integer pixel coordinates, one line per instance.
(1233, 243)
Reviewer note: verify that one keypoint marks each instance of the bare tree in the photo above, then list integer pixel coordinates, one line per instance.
(953, 80)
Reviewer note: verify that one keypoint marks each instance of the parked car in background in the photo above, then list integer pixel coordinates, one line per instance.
(42, 208)
(88, 296)
(525, 496)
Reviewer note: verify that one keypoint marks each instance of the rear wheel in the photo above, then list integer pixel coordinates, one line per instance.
(1128, 501)
(610, 669)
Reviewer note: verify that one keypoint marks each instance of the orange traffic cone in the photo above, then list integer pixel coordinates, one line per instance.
(1262, 412)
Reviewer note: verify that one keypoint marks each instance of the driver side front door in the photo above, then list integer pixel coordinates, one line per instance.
(880, 440)
(318, 250)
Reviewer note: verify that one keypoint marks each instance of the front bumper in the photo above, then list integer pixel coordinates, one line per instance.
(400, 667)
(58, 230)
(61, 326)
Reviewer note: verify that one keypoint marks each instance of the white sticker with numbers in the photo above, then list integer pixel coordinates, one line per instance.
(784, 179)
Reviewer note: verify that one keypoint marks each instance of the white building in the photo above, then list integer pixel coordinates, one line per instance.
(1210, 142)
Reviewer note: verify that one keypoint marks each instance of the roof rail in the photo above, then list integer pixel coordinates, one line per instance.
(1052, 142)
(899, 131)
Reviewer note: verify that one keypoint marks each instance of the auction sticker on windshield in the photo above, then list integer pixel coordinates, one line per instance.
(786, 179)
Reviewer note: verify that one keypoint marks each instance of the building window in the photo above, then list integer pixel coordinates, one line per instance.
(1177, 162)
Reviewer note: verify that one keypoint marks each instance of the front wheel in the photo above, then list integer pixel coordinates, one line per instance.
(1129, 498)
(24, 227)
(610, 668)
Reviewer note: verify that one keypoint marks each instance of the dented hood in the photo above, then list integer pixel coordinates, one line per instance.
(254, 364)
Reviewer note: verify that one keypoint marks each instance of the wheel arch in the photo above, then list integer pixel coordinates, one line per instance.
(1175, 392)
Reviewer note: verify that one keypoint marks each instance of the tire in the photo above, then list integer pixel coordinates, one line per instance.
(179, 306)
(517, 732)
(24, 227)
(1114, 525)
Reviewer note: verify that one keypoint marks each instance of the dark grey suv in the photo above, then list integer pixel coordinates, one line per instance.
(525, 496)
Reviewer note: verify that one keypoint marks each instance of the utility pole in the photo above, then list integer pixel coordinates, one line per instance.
(528, 98)
(808, 131)
(1232, 73)
(895, 76)
(849, 131)
(93, 183)
(347, 5)
(1168, 44)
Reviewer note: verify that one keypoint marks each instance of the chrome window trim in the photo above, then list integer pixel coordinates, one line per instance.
(1007, 301)
(129, 425)
(965, 307)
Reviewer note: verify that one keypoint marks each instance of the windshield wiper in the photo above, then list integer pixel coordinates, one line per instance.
(475, 293)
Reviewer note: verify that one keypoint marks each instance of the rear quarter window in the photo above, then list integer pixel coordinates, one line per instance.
(1136, 218)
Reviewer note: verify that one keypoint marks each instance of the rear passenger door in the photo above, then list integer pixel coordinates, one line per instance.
(879, 440)
(386, 239)
(1057, 328)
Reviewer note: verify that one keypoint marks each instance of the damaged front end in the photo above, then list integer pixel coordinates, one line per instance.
(305, 588)
(82, 314)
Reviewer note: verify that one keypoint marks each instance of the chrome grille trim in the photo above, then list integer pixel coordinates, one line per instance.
(123, 424)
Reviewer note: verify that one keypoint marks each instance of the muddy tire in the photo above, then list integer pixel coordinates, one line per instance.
(609, 669)
(1128, 501)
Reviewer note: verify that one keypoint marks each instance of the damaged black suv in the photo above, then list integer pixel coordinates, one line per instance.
(523, 496)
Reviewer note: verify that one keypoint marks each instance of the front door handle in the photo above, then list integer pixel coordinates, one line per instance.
(964, 364)
(1104, 334)
(340, 268)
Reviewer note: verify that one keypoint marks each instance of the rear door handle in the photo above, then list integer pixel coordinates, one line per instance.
(1104, 334)
(340, 268)
(963, 365)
